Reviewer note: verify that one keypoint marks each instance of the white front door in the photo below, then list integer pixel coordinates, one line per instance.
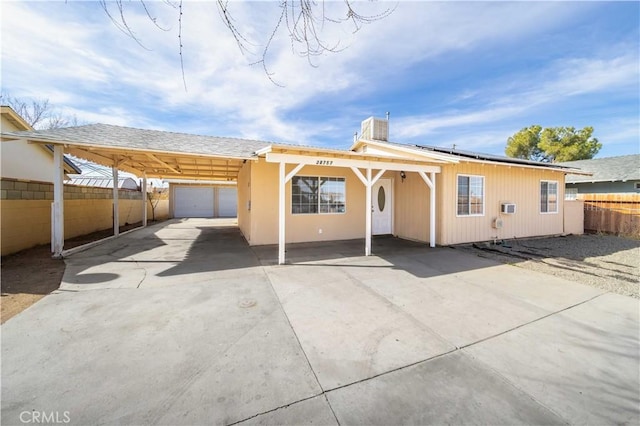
(381, 203)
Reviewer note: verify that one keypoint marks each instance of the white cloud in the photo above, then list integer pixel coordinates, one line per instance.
(74, 56)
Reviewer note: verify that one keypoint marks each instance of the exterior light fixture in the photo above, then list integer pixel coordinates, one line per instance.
(403, 176)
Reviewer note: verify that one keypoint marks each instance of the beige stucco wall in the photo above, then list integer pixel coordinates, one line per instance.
(503, 184)
(20, 160)
(574, 217)
(299, 228)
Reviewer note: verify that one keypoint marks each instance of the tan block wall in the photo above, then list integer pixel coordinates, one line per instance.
(25, 223)
(574, 217)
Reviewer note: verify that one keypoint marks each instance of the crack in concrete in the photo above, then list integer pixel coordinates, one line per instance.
(460, 349)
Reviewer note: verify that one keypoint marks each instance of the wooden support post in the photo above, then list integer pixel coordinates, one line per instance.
(57, 216)
(116, 210)
(431, 183)
(144, 199)
(432, 212)
(367, 237)
(281, 214)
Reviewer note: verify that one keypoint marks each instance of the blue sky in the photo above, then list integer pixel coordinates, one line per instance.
(463, 73)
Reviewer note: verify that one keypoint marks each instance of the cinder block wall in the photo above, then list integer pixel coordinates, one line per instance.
(25, 212)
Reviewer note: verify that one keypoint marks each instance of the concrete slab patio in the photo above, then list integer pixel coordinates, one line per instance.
(183, 323)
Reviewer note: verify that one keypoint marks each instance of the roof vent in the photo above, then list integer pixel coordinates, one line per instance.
(375, 129)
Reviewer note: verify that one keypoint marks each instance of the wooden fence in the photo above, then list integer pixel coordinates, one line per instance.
(612, 213)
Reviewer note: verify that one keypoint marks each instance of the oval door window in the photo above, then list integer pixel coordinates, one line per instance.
(381, 198)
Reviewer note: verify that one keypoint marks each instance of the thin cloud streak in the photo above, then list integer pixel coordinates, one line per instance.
(578, 77)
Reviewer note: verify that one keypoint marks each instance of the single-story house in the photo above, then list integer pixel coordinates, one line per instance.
(294, 193)
(610, 175)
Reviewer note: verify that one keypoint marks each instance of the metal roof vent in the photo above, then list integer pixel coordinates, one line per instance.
(376, 129)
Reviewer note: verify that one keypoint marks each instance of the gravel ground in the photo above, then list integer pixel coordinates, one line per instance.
(31, 274)
(608, 262)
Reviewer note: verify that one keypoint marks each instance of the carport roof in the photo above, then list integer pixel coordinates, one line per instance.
(157, 153)
(107, 135)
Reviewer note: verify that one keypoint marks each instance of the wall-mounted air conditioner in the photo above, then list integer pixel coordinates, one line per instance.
(376, 129)
(508, 208)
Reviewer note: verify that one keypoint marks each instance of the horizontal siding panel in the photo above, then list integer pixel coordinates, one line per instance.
(503, 184)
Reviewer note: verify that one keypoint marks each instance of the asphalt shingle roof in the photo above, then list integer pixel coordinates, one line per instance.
(610, 169)
(108, 135)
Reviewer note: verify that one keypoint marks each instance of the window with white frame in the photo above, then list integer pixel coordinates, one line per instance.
(571, 193)
(318, 194)
(470, 195)
(548, 196)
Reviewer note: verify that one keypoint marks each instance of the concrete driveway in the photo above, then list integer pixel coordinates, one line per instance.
(183, 323)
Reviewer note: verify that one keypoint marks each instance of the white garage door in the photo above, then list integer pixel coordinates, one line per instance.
(227, 202)
(193, 202)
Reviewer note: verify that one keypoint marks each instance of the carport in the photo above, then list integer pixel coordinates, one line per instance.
(167, 155)
(145, 153)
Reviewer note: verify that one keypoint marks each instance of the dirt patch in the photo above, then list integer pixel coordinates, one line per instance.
(608, 262)
(31, 274)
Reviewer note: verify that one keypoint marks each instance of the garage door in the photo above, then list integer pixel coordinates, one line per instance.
(193, 201)
(227, 202)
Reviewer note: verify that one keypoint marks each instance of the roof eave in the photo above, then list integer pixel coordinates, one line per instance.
(81, 145)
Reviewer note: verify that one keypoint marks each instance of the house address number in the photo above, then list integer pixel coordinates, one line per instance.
(324, 162)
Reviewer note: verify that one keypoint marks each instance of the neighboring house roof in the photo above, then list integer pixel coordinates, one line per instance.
(69, 166)
(104, 182)
(106, 135)
(609, 169)
(14, 118)
(89, 169)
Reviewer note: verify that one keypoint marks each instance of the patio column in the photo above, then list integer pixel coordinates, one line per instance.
(281, 212)
(368, 212)
(144, 199)
(57, 207)
(368, 185)
(432, 213)
(431, 183)
(116, 210)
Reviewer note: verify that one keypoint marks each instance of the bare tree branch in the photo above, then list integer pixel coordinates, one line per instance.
(38, 112)
(304, 21)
